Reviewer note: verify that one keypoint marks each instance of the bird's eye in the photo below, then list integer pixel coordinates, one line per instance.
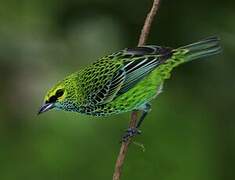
(59, 93)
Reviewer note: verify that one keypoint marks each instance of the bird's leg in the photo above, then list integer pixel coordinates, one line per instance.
(130, 132)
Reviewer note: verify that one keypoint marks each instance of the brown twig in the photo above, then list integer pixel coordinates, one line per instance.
(148, 22)
(134, 115)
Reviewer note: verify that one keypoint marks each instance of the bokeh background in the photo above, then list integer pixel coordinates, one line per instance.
(190, 132)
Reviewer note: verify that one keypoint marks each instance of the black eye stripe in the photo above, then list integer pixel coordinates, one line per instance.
(52, 99)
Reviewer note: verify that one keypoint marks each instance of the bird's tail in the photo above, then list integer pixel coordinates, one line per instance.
(203, 48)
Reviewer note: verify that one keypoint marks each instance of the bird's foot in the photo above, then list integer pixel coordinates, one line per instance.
(131, 132)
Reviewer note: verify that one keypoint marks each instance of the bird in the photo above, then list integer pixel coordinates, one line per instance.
(124, 81)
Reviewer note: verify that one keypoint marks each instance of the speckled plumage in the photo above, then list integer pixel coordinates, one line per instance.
(125, 80)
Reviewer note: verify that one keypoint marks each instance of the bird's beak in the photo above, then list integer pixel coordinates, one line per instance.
(45, 107)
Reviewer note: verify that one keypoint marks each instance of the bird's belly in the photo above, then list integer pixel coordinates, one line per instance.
(142, 93)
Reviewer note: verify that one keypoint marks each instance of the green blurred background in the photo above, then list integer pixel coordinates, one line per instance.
(190, 132)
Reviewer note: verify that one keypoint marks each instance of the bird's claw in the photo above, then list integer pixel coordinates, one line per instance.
(131, 132)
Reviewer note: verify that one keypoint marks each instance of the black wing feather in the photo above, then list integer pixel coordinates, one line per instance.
(138, 68)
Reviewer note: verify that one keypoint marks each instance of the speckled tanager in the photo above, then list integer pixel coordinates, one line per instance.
(124, 81)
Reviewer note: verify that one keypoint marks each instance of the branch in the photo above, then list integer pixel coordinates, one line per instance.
(134, 115)
(148, 22)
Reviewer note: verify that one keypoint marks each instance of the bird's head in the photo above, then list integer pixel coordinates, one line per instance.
(59, 96)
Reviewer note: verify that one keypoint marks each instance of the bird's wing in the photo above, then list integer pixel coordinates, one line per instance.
(101, 81)
(121, 71)
(145, 59)
(111, 89)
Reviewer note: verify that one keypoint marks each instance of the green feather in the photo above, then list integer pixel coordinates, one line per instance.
(125, 80)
